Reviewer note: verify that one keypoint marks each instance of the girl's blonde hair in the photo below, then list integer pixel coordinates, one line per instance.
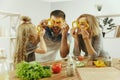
(93, 24)
(25, 31)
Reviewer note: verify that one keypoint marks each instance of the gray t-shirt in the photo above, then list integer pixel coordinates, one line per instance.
(97, 43)
(30, 55)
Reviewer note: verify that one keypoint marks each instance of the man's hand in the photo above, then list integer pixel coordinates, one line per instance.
(64, 29)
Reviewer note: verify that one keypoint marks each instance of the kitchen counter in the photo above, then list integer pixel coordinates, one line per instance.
(80, 73)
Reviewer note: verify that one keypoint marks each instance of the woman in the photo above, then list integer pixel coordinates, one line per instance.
(87, 37)
(27, 40)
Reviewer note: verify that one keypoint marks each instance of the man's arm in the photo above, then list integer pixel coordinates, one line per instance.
(64, 48)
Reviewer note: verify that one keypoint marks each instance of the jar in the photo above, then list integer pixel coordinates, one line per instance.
(108, 61)
(70, 70)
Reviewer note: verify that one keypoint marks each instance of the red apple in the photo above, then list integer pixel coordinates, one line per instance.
(80, 58)
(56, 68)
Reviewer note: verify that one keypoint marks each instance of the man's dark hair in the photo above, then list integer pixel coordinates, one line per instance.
(58, 13)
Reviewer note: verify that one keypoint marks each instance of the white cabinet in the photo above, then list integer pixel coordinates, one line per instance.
(8, 25)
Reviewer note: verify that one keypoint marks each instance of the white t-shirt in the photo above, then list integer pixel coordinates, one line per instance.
(52, 52)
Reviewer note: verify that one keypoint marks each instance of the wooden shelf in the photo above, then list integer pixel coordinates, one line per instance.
(9, 13)
(110, 15)
(9, 37)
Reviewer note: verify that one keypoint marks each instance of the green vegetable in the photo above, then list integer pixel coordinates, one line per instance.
(46, 67)
(32, 71)
(80, 64)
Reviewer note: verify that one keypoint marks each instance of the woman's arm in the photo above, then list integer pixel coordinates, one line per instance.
(76, 49)
(90, 49)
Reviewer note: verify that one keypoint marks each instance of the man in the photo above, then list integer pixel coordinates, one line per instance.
(56, 36)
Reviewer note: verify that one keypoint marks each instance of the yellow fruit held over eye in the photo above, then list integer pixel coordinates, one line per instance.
(74, 24)
(82, 25)
(50, 23)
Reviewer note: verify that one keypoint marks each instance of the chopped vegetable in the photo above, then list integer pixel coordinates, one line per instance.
(99, 63)
(80, 64)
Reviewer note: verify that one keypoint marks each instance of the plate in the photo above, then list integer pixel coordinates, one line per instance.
(80, 64)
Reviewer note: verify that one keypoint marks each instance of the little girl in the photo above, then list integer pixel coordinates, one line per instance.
(27, 40)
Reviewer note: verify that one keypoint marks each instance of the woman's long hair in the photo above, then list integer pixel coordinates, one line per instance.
(93, 24)
(25, 33)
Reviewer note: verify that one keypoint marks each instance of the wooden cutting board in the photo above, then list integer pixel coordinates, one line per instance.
(106, 73)
(60, 76)
(116, 63)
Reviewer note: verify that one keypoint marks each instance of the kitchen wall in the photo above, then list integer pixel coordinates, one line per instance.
(40, 9)
(36, 9)
(77, 7)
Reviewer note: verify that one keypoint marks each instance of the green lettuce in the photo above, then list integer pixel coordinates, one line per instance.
(32, 71)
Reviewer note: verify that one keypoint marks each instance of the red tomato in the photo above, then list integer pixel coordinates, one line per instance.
(80, 58)
(56, 68)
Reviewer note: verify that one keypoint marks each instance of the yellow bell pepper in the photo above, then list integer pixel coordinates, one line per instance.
(82, 25)
(99, 63)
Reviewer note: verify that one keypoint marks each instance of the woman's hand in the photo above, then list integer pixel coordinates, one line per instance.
(84, 34)
(74, 33)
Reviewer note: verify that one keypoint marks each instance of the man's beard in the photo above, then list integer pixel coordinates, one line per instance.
(56, 30)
